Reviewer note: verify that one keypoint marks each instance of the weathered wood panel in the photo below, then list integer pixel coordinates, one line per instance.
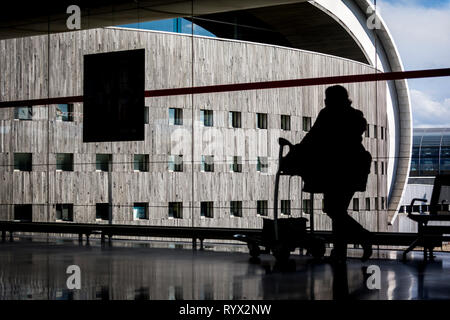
(168, 65)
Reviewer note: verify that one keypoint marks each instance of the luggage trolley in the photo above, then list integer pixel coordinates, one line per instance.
(282, 236)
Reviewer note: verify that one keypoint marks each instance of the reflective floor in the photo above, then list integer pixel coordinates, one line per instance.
(131, 270)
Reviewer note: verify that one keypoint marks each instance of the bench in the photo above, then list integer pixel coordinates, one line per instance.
(431, 236)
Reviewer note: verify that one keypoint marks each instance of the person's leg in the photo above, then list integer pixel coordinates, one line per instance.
(336, 204)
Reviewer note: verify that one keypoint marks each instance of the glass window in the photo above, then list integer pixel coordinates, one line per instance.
(368, 131)
(236, 208)
(102, 211)
(375, 167)
(262, 164)
(429, 161)
(64, 211)
(367, 204)
(176, 163)
(206, 117)
(23, 161)
(176, 116)
(176, 210)
(234, 119)
(23, 212)
(306, 123)
(414, 171)
(355, 204)
(376, 203)
(207, 209)
(64, 112)
(140, 211)
(236, 164)
(445, 161)
(286, 207)
(23, 113)
(207, 164)
(146, 114)
(261, 207)
(306, 206)
(64, 161)
(285, 122)
(382, 203)
(375, 131)
(261, 119)
(141, 162)
(102, 161)
(382, 133)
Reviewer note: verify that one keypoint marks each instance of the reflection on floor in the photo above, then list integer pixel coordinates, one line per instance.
(37, 270)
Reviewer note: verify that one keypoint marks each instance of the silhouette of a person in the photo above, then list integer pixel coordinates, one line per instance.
(338, 166)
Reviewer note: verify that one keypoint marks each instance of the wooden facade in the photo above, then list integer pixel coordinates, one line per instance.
(52, 66)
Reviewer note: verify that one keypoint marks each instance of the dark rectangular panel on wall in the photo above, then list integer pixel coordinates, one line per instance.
(113, 102)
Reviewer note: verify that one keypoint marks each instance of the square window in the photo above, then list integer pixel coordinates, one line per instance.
(286, 207)
(206, 117)
(285, 122)
(64, 161)
(102, 161)
(306, 206)
(236, 208)
(236, 164)
(176, 116)
(140, 211)
(64, 112)
(23, 161)
(146, 115)
(141, 162)
(176, 163)
(262, 165)
(102, 211)
(207, 163)
(234, 119)
(23, 212)
(207, 209)
(261, 119)
(355, 204)
(261, 207)
(176, 210)
(367, 204)
(64, 211)
(306, 124)
(23, 113)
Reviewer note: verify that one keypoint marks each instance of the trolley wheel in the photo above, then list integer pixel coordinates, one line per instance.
(254, 250)
(317, 249)
(281, 253)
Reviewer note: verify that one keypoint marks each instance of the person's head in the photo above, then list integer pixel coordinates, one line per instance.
(337, 96)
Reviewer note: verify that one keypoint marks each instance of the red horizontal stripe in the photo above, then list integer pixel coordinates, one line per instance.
(382, 76)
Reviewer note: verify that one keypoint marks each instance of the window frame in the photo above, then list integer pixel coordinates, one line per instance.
(139, 205)
(28, 167)
(175, 210)
(61, 207)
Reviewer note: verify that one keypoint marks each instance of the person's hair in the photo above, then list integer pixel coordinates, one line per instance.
(337, 96)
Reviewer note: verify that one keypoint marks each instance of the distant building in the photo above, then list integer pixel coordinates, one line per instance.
(430, 156)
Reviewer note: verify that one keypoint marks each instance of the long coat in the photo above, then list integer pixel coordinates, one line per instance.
(331, 155)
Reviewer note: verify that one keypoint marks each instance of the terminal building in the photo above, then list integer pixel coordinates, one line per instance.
(207, 160)
(430, 157)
